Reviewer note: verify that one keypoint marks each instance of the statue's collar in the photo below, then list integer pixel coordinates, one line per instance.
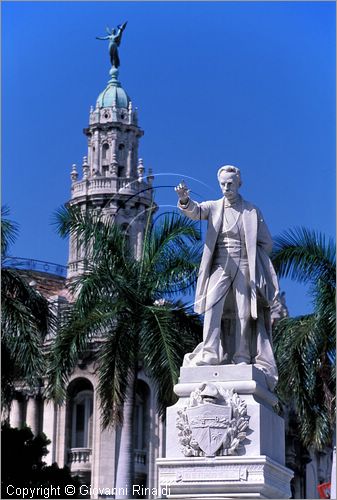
(234, 203)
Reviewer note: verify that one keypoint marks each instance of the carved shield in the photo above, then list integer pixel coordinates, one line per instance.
(209, 423)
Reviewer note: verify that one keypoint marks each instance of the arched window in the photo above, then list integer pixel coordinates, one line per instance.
(105, 159)
(105, 152)
(81, 432)
(80, 415)
(121, 152)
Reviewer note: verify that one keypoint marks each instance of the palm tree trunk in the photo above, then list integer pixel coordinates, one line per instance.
(126, 463)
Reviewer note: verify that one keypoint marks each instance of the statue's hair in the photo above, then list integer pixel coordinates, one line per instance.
(230, 169)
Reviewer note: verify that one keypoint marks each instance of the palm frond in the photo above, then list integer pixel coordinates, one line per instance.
(71, 342)
(168, 332)
(67, 219)
(177, 273)
(299, 347)
(21, 301)
(9, 230)
(9, 375)
(25, 320)
(305, 255)
(95, 233)
(171, 235)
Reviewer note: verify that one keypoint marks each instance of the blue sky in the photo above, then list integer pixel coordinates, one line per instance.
(245, 83)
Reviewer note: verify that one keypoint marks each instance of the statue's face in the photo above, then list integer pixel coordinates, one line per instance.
(229, 184)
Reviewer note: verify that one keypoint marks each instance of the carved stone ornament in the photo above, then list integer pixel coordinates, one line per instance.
(105, 114)
(213, 423)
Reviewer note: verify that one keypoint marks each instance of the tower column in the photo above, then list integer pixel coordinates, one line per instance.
(129, 162)
(32, 415)
(113, 148)
(49, 413)
(15, 414)
(95, 156)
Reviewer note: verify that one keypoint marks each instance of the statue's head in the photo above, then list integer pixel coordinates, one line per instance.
(229, 178)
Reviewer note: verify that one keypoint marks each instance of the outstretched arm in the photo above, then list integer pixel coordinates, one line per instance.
(122, 27)
(102, 37)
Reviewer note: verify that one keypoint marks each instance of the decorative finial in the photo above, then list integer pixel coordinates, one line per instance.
(114, 37)
(140, 170)
(85, 167)
(114, 77)
(74, 174)
(91, 109)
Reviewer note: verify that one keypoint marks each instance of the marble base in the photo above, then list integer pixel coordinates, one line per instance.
(224, 477)
(257, 470)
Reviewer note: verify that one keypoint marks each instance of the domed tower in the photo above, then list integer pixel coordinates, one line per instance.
(113, 177)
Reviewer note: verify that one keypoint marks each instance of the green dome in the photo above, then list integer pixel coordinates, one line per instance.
(114, 93)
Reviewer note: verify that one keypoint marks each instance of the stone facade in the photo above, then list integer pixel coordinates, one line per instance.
(76, 434)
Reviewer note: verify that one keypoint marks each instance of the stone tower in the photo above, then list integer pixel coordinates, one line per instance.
(113, 177)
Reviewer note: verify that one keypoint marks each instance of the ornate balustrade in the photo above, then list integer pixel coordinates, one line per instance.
(76, 267)
(79, 458)
(107, 185)
(140, 457)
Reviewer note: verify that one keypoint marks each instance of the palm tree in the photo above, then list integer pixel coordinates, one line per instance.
(130, 304)
(25, 317)
(305, 345)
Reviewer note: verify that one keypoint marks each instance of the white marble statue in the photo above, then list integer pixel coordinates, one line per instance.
(236, 282)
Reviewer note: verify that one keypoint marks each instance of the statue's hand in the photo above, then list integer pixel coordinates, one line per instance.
(182, 192)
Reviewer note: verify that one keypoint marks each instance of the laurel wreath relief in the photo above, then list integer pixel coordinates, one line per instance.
(216, 426)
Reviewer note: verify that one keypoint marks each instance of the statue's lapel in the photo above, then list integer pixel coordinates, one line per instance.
(249, 220)
(218, 215)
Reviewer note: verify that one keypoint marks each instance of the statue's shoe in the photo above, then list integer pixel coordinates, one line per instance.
(208, 360)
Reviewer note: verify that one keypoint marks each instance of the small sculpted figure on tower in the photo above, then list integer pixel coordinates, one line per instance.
(114, 37)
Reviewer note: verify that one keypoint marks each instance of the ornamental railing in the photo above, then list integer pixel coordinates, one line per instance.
(35, 265)
(109, 185)
(79, 456)
(140, 457)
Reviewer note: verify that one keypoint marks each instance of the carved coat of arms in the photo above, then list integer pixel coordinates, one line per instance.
(214, 422)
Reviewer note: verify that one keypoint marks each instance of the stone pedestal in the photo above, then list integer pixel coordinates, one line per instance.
(254, 468)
